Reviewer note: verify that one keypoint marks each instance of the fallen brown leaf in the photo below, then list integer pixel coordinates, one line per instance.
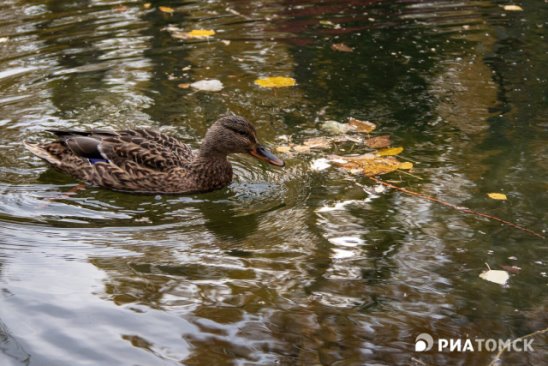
(361, 126)
(341, 47)
(378, 142)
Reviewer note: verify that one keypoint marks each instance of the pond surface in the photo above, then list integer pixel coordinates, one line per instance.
(285, 266)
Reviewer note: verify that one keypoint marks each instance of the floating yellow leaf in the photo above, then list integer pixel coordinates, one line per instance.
(275, 82)
(200, 33)
(406, 165)
(512, 8)
(184, 85)
(368, 164)
(166, 9)
(497, 196)
(147, 5)
(390, 151)
(327, 22)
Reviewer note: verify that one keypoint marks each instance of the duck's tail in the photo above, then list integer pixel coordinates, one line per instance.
(42, 153)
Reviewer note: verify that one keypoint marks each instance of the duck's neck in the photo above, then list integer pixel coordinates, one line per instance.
(211, 171)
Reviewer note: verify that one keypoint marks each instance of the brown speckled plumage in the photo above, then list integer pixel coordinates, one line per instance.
(147, 161)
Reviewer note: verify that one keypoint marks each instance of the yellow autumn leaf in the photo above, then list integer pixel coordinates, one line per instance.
(367, 164)
(406, 165)
(361, 126)
(275, 82)
(147, 5)
(200, 33)
(166, 9)
(390, 151)
(497, 196)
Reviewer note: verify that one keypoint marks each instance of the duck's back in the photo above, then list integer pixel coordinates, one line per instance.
(140, 160)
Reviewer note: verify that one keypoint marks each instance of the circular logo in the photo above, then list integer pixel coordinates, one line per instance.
(423, 342)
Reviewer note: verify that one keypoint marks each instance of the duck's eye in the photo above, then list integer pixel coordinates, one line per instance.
(239, 132)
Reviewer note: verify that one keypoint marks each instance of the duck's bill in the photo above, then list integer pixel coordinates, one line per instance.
(263, 154)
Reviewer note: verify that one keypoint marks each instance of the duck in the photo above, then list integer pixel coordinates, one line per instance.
(147, 161)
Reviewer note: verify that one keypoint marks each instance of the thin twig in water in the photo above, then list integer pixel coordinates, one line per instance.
(461, 209)
(497, 356)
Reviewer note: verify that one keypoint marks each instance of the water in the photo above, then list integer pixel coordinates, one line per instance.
(285, 266)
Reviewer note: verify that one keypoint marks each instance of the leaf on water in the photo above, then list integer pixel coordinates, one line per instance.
(283, 149)
(275, 82)
(361, 126)
(512, 8)
(184, 85)
(496, 276)
(336, 128)
(511, 269)
(120, 8)
(166, 9)
(368, 164)
(406, 165)
(341, 47)
(301, 148)
(497, 196)
(318, 142)
(147, 5)
(200, 33)
(208, 85)
(320, 164)
(378, 142)
(328, 23)
(390, 151)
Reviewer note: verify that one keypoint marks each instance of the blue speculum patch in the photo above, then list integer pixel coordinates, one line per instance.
(95, 161)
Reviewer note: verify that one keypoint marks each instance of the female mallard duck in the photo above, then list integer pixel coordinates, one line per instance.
(148, 161)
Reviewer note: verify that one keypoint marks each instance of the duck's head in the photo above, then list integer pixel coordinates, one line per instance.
(234, 134)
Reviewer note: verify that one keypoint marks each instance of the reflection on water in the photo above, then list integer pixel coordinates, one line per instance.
(292, 266)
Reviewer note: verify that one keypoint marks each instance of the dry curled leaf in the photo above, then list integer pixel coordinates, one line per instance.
(378, 142)
(275, 82)
(361, 126)
(318, 142)
(208, 85)
(341, 47)
(496, 276)
(512, 8)
(511, 269)
(497, 196)
(390, 151)
(336, 128)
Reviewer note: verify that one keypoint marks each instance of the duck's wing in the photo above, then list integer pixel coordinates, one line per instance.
(141, 147)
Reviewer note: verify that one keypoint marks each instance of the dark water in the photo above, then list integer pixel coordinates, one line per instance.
(263, 272)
